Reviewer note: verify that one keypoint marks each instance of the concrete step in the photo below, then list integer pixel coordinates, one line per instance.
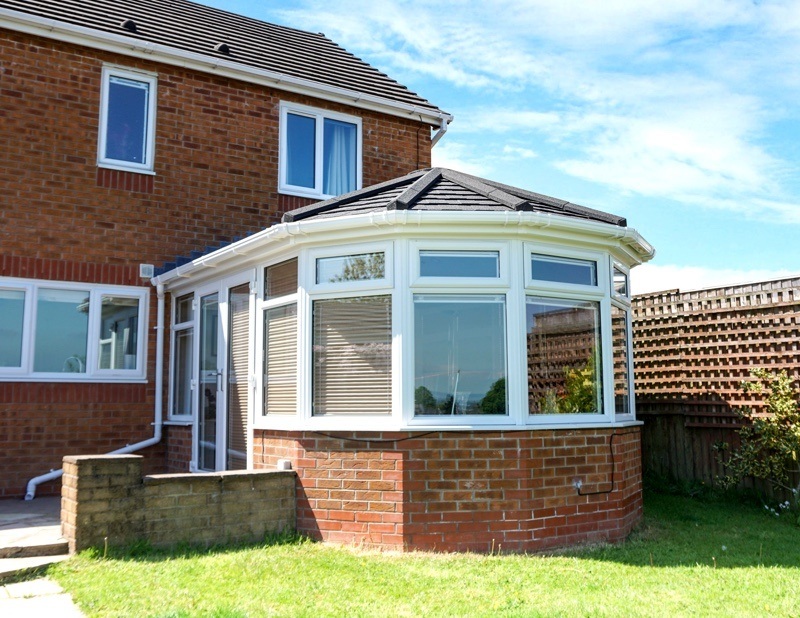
(12, 567)
(35, 549)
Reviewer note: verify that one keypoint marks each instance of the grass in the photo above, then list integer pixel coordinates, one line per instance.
(690, 557)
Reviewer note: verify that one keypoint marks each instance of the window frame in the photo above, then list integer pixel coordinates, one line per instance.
(148, 165)
(93, 372)
(319, 116)
(175, 329)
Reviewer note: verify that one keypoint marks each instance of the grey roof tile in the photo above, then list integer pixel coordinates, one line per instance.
(196, 28)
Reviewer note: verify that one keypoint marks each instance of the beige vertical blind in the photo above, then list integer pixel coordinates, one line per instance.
(280, 279)
(280, 360)
(352, 356)
(239, 303)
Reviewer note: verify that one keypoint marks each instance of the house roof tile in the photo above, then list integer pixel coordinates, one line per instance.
(191, 27)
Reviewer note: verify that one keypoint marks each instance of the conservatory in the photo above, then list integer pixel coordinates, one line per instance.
(444, 360)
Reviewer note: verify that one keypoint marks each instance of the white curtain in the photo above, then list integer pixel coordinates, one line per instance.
(339, 167)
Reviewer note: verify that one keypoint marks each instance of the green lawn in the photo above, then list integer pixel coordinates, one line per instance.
(690, 557)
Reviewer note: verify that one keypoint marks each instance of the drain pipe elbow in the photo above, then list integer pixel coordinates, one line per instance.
(30, 492)
(442, 130)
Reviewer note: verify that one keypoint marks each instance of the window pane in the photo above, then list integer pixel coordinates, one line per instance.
(182, 374)
(563, 344)
(300, 140)
(339, 157)
(351, 268)
(563, 270)
(119, 324)
(620, 282)
(184, 309)
(352, 356)
(62, 322)
(238, 383)
(619, 337)
(459, 354)
(126, 130)
(280, 279)
(280, 360)
(459, 264)
(12, 310)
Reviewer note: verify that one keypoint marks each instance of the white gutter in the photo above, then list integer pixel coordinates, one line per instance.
(642, 250)
(440, 133)
(129, 46)
(30, 493)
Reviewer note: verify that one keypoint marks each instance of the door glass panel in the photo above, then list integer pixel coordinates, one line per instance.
(238, 345)
(207, 423)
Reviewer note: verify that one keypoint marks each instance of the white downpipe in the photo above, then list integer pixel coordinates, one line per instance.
(158, 412)
(440, 133)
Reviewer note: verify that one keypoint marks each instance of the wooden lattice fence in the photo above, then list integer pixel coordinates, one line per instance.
(692, 351)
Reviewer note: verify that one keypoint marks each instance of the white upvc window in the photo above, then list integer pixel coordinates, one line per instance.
(320, 152)
(126, 136)
(57, 331)
(181, 378)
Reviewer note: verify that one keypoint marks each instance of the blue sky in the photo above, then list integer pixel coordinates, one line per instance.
(682, 116)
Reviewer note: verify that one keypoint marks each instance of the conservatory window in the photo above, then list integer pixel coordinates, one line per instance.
(621, 353)
(459, 354)
(344, 268)
(280, 339)
(563, 270)
(620, 282)
(459, 264)
(351, 356)
(564, 356)
(182, 363)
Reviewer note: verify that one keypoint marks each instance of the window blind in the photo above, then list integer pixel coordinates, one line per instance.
(239, 303)
(280, 360)
(352, 360)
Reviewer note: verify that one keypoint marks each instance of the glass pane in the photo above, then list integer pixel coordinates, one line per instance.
(182, 378)
(280, 360)
(300, 140)
(184, 309)
(351, 268)
(459, 355)
(459, 264)
(62, 327)
(352, 356)
(209, 378)
(12, 310)
(563, 270)
(339, 157)
(280, 279)
(119, 329)
(619, 337)
(620, 282)
(563, 343)
(126, 130)
(238, 385)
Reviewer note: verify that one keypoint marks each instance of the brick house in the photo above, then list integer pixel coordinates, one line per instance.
(443, 359)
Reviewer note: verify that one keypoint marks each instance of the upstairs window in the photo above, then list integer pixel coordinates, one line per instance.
(127, 120)
(320, 152)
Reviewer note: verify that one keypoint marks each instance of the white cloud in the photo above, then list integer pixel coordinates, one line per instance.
(653, 278)
(518, 152)
(460, 157)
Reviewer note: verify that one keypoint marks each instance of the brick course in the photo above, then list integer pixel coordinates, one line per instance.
(62, 218)
(462, 491)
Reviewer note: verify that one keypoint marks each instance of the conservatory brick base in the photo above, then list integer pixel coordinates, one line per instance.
(477, 491)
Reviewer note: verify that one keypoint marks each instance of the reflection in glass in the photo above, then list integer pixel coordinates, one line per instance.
(300, 144)
(126, 130)
(620, 282)
(459, 264)
(184, 309)
(62, 326)
(619, 338)
(360, 267)
(459, 354)
(182, 380)
(119, 326)
(12, 310)
(563, 345)
(563, 270)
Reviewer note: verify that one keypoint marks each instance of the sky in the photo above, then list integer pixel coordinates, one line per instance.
(682, 116)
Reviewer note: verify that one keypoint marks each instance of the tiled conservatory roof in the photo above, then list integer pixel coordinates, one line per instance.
(221, 35)
(443, 189)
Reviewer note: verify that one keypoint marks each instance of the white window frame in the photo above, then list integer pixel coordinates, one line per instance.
(147, 166)
(176, 328)
(319, 115)
(557, 251)
(93, 372)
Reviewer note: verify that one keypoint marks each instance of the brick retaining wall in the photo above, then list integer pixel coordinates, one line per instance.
(105, 496)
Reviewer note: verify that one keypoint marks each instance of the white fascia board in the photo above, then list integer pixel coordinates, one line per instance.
(282, 236)
(121, 44)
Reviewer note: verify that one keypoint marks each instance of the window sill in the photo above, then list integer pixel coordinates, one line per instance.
(349, 426)
(83, 380)
(122, 168)
(178, 423)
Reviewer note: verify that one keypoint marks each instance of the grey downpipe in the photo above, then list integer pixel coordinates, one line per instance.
(159, 403)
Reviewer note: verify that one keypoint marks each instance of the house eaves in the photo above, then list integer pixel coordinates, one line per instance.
(379, 92)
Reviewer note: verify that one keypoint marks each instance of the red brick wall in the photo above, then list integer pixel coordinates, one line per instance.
(216, 164)
(462, 491)
(178, 442)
